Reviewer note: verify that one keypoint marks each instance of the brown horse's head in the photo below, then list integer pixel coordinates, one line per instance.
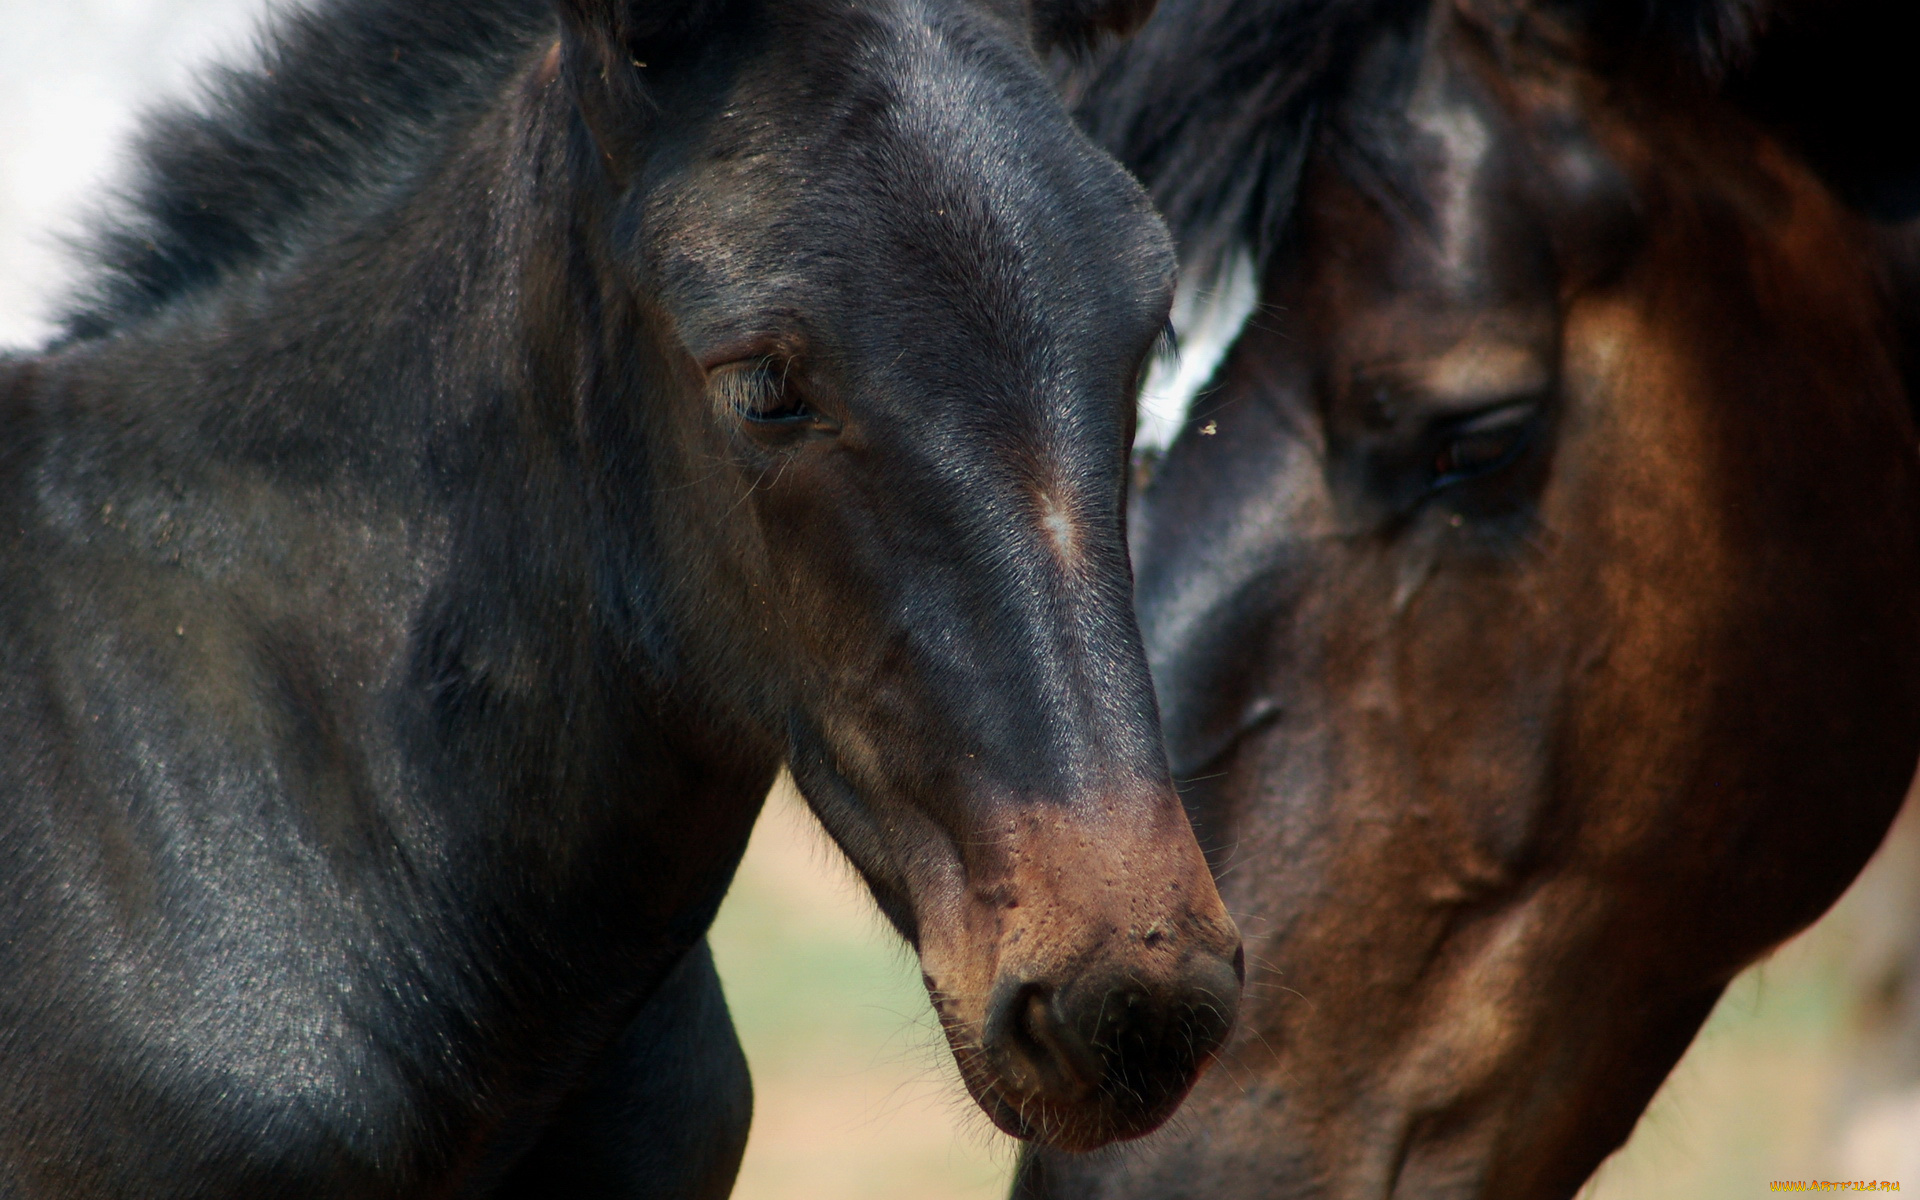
(1532, 601)
(879, 492)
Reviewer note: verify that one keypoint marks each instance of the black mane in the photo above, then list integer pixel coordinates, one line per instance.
(342, 99)
(1215, 102)
(1210, 105)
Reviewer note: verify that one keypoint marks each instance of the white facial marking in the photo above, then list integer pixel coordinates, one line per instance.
(1465, 141)
(1208, 315)
(1056, 521)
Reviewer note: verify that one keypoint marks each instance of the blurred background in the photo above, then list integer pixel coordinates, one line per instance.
(856, 1097)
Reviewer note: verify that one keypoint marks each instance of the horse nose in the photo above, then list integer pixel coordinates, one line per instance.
(1128, 1047)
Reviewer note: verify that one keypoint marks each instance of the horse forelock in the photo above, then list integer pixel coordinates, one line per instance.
(1210, 105)
(341, 97)
(1215, 103)
(1716, 34)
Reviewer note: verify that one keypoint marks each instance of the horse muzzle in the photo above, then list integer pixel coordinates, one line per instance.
(1104, 1059)
(1102, 976)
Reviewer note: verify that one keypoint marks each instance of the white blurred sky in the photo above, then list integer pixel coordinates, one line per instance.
(74, 75)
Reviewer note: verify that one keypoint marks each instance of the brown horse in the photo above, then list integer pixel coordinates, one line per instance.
(1531, 598)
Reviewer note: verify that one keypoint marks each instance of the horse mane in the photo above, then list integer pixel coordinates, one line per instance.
(341, 101)
(1210, 104)
(1717, 34)
(1215, 102)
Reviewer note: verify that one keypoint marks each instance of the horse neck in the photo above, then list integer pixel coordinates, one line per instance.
(370, 456)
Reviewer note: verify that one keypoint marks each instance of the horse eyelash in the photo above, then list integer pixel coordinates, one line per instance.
(752, 392)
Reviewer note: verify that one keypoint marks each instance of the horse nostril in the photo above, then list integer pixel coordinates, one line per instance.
(1040, 1049)
(1137, 1046)
(1240, 965)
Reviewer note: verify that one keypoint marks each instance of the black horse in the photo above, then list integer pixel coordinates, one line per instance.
(499, 436)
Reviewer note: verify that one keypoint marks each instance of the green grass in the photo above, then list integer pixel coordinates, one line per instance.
(855, 1097)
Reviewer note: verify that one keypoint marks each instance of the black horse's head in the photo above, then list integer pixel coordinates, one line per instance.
(868, 315)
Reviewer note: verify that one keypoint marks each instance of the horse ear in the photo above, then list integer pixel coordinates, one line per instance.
(637, 28)
(606, 47)
(1077, 23)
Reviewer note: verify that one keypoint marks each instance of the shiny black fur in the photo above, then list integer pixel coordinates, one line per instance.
(390, 668)
(345, 109)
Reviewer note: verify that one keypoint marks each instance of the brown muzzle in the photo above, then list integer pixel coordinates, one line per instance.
(1089, 972)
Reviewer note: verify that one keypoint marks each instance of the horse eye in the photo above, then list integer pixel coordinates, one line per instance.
(759, 391)
(1483, 444)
